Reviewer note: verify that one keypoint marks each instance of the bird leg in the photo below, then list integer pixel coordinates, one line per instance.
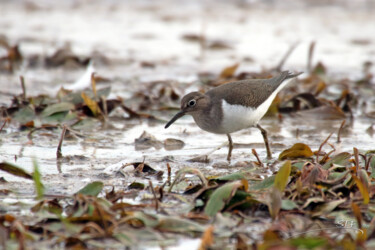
(230, 147)
(264, 134)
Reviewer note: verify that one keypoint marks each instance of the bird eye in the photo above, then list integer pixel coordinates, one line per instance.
(192, 103)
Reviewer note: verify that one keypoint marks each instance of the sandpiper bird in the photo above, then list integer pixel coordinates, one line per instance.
(233, 106)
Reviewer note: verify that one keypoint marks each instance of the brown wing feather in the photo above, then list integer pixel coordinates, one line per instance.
(252, 92)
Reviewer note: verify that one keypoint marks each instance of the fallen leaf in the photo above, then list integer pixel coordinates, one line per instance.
(362, 185)
(298, 150)
(266, 183)
(57, 108)
(146, 141)
(341, 159)
(207, 239)
(173, 144)
(228, 72)
(178, 225)
(274, 203)
(288, 205)
(327, 207)
(324, 112)
(312, 173)
(92, 189)
(39, 187)
(93, 105)
(15, 170)
(220, 197)
(282, 176)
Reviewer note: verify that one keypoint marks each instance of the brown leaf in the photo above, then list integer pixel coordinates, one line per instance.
(298, 150)
(217, 44)
(200, 158)
(274, 204)
(362, 185)
(302, 101)
(357, 214)
(241, 242)
(228, 72)
(312, 173)
(270, 235)
(325, 112)
(207, 239)
(65, 56)
(93, 105)
(173, 144)
(192, 37)
(15, 170)
(146, 141)
(141, 167)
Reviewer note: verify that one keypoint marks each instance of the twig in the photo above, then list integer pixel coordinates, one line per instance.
(286, 56)
(368, 162)
(310, 56)
(23, 88)
(154, 194)
(257, 156)
(356, 158)
(161, 193)
(321, 146)
(58, 152)
(169, 174)
(5, 122)
(340, 130)
(202, 40)
(105, 108)
(93, 85)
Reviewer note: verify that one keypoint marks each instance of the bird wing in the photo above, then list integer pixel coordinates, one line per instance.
(251, 92)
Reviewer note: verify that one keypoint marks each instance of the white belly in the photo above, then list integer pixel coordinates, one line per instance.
(237, 117)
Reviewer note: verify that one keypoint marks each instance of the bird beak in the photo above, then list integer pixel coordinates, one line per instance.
(176, 117)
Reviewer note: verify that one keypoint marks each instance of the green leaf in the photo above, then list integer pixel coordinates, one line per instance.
(341, 159)
(282, 177)
(39, 187)
(181, 173)
(327, 207)
(231, 177)
(86, 124)
(372, 165)
(309, 242)
(93, 188)
(299, 165)
(178, 225)
(123, 238)
(274, 203)
(220, 197)
(57, 108)
(288, 205)
(266, 183)
(15, 170)
(24, 115)
(319, 69)
(242, 199)
(147, 220)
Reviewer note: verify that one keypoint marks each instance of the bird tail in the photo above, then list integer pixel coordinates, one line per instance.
(278, 80)
(288, 74)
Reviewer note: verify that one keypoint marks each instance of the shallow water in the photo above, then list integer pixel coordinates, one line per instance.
(128, 33)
